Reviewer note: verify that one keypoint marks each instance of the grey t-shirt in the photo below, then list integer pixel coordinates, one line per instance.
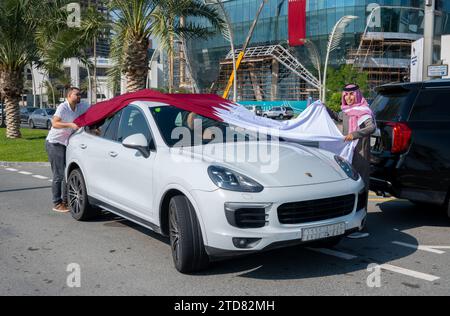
(64, 111)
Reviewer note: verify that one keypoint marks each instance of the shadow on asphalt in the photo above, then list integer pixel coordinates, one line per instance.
(111, 220)
(25, 189)
(297, 262)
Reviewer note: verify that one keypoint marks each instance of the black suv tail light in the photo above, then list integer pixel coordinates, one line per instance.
(401, 137)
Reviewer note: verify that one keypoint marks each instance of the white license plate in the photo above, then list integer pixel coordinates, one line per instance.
(322, 232)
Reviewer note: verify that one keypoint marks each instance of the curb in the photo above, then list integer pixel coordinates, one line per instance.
(30, 164)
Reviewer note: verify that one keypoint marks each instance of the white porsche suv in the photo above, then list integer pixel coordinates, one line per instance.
(142, 165)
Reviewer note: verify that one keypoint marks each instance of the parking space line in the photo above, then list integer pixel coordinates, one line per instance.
(25, 173)
(334, 253)
(388, 267)
(418, 247)
(414, 274)
(11, 169)
(40, 177)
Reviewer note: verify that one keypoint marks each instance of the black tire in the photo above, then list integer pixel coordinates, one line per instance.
(281, 117)
(31, 124)
(49, 125)
(265, 115)
(77, 197)
(327, 243)
(186, 241)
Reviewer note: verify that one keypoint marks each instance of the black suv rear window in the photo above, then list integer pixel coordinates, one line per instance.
(393, 107)
(432, 106)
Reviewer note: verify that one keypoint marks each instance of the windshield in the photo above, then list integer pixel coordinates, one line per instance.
(50, 112)
(181, 128)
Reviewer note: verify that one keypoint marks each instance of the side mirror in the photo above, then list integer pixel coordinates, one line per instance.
(138, 142)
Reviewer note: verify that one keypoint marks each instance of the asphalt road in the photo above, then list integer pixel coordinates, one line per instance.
(117, 257)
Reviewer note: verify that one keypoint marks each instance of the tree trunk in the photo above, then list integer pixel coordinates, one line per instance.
(11, 83)
(136, 65)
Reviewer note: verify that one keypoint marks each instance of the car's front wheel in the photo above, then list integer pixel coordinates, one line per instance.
(31, 124)
(77, 197)
(188, 250)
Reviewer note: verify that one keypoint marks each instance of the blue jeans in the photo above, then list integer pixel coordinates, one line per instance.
(57, 157)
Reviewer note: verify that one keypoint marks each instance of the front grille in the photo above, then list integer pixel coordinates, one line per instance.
(316, 210)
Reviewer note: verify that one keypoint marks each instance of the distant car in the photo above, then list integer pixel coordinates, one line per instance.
(255, 109)
(280, 112)
(411, 151)
(41, 118)
(25, 114)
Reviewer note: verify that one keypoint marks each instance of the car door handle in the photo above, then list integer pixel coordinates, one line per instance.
(83, 146)
(113, 154)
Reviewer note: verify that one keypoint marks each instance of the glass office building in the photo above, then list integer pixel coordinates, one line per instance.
(395, 20)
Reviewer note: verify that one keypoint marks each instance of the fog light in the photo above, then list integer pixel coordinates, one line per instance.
(246, 243)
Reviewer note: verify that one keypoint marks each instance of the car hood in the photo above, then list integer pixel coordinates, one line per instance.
(281, 164)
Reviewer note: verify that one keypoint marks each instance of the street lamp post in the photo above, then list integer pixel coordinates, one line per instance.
(230, 31)
(369, 19)
(333, 43)
(430, 11)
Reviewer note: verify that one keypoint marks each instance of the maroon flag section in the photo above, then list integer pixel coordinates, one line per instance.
(203, 104)
(297, 22)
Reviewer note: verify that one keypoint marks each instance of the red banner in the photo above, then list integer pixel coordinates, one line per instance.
(297, 22)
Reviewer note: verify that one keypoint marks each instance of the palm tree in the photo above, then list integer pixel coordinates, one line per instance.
(24, 38)
(131, 40)
(171, 24)
(77, 43)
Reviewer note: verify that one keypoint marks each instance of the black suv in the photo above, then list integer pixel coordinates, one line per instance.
(411, 148)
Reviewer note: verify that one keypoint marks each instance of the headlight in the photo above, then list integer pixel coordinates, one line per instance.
(233, 181)
(347, 167)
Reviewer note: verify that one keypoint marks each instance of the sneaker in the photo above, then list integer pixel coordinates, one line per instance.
(61, 208)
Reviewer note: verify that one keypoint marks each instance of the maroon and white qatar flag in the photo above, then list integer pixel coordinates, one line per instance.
(313, 125)
(297, 22)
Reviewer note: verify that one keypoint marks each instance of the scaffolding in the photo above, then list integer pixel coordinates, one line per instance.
(268, 73)
(385, 60)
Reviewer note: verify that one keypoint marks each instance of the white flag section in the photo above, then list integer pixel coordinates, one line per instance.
(313, 125)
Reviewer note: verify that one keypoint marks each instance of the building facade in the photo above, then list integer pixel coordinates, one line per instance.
(393, 26)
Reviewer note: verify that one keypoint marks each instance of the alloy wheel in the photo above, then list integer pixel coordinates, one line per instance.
(76, 195)
(174, 233)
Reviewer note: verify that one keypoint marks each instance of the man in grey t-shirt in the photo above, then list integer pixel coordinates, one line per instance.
(57, 141)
